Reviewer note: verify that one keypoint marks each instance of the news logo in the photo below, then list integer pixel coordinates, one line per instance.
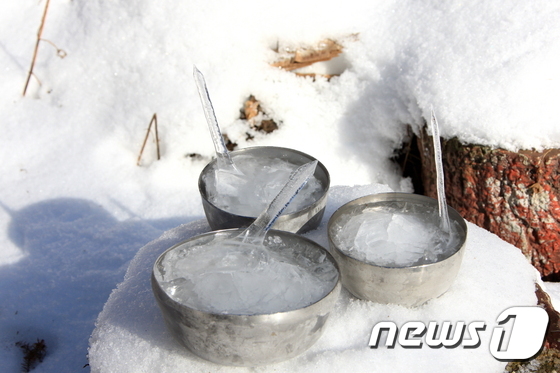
(518, 335)
(527, 328)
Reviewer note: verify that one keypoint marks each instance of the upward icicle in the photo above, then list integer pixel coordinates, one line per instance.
(443, 214)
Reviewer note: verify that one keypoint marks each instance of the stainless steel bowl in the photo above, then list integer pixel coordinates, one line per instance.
(300, 221)
(247, 340)
(408, 286)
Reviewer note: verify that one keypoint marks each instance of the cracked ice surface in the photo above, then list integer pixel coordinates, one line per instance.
(261, 180)
(391, 236)
(229, 277)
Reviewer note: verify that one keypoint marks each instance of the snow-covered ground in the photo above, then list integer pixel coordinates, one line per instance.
(131, 335)
(76, 209)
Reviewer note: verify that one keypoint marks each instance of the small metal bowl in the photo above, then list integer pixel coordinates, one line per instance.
(254, 339)
(300, 221)
(409, 286)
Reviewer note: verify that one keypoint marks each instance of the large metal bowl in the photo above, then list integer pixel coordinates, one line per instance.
(407, 286)
(300, 221)
(248, 340)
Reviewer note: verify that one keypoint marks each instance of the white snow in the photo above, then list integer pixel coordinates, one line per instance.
(131, 336)
(76, 208)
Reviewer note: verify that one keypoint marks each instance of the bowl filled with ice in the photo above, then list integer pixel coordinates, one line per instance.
(235, 199)
(391, 248)
(245, 304)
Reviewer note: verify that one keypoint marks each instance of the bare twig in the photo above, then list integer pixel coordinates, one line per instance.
(59, 52)
(157, 136)
(39, 33)
(154, 121)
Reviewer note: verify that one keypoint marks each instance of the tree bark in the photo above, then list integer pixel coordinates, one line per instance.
(515, 195)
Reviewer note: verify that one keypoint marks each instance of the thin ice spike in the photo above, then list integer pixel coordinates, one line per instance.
(256, 232)
(443, 214)
(224, 159)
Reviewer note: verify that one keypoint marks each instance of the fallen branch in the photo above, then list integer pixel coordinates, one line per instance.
(305, 56)
(153, 121)
(39, 33)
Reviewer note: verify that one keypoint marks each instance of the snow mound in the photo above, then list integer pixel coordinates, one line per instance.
(131, 336)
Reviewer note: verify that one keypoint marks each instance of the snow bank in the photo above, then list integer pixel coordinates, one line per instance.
(130, 335)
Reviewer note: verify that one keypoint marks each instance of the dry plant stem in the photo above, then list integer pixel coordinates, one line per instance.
(154, 118)
(59, 52)
(154, 122)
(39, 33)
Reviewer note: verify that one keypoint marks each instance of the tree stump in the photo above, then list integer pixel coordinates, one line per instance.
(512, 194)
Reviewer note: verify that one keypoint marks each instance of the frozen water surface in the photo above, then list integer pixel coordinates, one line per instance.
(261, 180)
(222, 276)
(396, 235)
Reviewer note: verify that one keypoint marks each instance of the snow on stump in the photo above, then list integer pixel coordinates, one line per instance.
(512, 194)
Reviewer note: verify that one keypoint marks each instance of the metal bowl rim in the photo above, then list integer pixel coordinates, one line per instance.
(368, 199)
(282, 217)
(257, 316)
